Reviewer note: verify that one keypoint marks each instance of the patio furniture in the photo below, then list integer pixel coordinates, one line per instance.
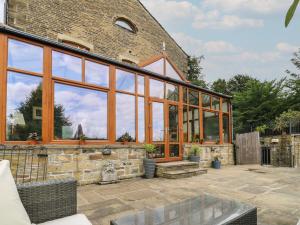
(52, 202)
(204, 210)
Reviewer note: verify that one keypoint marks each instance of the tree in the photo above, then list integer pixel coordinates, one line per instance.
(195, 75)
(291, 12)
(286, 119)
(220, 86)
(238, 83)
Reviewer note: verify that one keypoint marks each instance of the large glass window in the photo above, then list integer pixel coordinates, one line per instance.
(170, 72)
(172, 92)
(193, 97)
(206, 101)
(96, 73)
(125, 117)
(225, 128)
(125, 81)
(185, 123)
(225, 105)
(24, 106)
(216, 103)
(185, 99)
(141, 85)
(194, 125)
(79, 111)
(156, 67)
(158, 127)
(25, 56)
(173, 123)
(66, 66)
(211, 126)
(157, 88)
(141, 119)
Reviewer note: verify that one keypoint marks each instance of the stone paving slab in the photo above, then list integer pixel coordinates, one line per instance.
(275, 192)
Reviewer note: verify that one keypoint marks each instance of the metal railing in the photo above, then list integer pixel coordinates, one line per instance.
(27, 163)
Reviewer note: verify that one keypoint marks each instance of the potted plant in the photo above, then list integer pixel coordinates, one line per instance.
(195, 152)
(216, 163)
(125, 138)
(33, 138)
(201, 141)
(149, 162)
(82, 139)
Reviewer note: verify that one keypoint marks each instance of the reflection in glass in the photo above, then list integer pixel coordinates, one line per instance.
(125, 117)
(185, 95)
(158, 126)
(96, 73)
(185, 123)
(225, 128)
(66, 66)
(156, 88)
(194, 129)
(173, 123)
(25, 56)
(193, 97)
(24, 106)
(141, 119)
(79, 111)
(216, 103)
(141, 85)
(160, 151)
(225, 105)
(125, 81)
(156, 67)
(172, 92)
(174, 150)
(211, 126)
(170, 72)
(206, 101)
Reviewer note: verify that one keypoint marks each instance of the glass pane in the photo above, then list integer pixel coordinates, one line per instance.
(156, 67)
(173, 123)
(160, 151)
(216, 103)
(125, 117)
(225, 128)
(185, 95)
(141, 85)
(185, 123)
(66, 66)
(124, 24)
(156, 88)
(193, 97)
(211, 126)
(25, 56)
(172, 92)
(79, 111)
(174, 150)
(170, 72)
(141, 119)
(225, 105)
(96, 73)
(194, 129)
(125, 81)
(158, 126)
(24, 106)
(206, 101)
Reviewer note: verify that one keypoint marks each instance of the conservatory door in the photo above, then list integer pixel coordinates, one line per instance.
(164, 131)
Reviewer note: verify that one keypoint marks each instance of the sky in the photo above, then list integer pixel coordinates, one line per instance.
(235, 36)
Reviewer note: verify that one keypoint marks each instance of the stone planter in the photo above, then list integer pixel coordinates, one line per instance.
(195, 158)
(149, 167)
(216, 164)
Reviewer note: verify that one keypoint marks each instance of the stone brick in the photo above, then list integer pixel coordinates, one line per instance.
(96, 156)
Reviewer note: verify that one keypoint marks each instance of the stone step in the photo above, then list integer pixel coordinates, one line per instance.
(178, 174)
(180, 165)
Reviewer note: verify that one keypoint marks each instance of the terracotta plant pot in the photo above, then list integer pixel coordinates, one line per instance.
(33, 142)
(82, 142)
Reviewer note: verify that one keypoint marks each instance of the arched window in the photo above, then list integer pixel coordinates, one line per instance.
(126, 24)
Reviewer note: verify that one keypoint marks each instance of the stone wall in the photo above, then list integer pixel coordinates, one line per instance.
(91, 23)
(224, 151)
(84, 163)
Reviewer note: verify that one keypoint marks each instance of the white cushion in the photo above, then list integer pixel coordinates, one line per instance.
(78, 219)
(12, 211)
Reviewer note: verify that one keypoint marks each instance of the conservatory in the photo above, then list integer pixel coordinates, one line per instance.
(58, 94)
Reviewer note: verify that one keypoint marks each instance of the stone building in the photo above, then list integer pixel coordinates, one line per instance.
(120, 29)
(88, 84)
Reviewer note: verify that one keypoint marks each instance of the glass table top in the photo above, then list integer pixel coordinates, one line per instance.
(200, 210)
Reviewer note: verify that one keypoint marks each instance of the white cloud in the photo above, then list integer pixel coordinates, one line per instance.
(195, 46)
(2, 8)
(285, 47)
(257, 6)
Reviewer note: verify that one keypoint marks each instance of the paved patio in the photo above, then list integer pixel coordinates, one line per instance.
(275, 191)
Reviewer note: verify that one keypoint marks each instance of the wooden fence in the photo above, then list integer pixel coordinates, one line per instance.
(248, 150)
